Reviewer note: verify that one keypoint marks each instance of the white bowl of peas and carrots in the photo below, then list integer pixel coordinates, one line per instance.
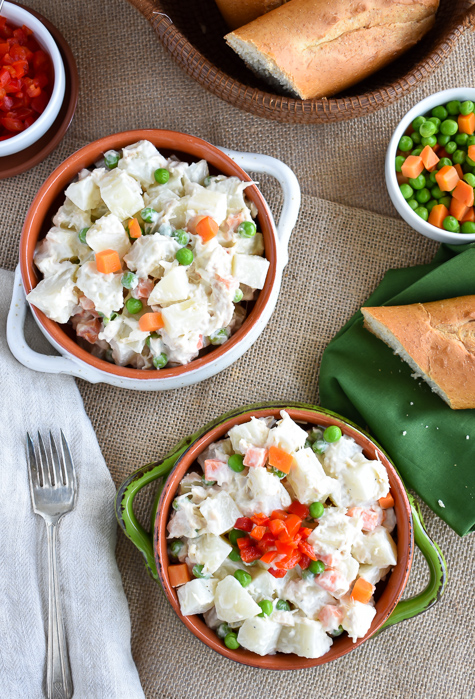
(430, 166)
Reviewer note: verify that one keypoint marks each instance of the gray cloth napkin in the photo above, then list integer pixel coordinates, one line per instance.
(94, 606)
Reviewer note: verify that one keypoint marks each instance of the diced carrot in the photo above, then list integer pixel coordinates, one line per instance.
(469, 216)
(269, 556)
(429, 158)
(362, 591)
(178, 574)
(437, 215)
(447, 177)
(463, 192)
(134, 228)
(258, 532)
(412, 166)
(206, 228)
(255, 457)
(212, 467)
(457, 209)
(388, 500)
(151, 322)
(108, 261)
(280, 459)
(471, 152)
(459, 170)
(467, 123)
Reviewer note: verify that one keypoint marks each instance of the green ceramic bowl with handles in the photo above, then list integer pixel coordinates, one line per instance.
(390, 609)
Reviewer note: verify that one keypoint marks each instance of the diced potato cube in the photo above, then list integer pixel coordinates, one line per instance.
(104, 290)
(174, 286)
(108, 233)
(252, 433)
(264, 493)
(259, 635)
(372, 574)
(186, 521)
(185, 317)
(55, 295)
(308, 478)
(335, 532)
(287, 434)
(210, 551)
(249, 246)
(59, 245)
(339, 455)
(220, 513)
(140, 160)
(357, 619)
(262, 585)
(376, 548)
(196, 596)
(70, 216)
(148, 252)
(307, 639)
(121, 193)
(233, 602)
(306, 595)
(250, 270)
(204, 202)
(364, 482)
(85, 193)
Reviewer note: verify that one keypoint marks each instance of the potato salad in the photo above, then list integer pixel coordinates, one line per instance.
(280, 541)
(150, 259)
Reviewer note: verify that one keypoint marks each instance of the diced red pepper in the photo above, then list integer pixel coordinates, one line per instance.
(250, 553)
(278, 514)
(292, 524)
(305, 532)
(304, 561)
(286, 549)
(260, 518)
(245, 524)
(277, 573)
(39, 103)
(266, 543)
(12, 124)
(297, 508)
(289, 562)
(269, 556)
(307, 550)
(258, 532)
(243, 541)
(276, 526)
(284, 536)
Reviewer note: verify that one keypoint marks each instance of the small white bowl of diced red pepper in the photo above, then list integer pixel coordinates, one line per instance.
(430, 166)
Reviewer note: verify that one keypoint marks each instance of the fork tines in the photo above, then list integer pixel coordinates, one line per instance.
(50, 468)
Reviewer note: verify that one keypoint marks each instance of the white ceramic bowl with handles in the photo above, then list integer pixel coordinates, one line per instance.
(80, 363)
(18, 16)
(422, 108)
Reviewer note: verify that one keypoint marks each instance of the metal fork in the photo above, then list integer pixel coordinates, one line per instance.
(53, 493)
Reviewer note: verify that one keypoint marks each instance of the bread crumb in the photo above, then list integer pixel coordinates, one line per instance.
(404, 433)
(467, 436)
(427, 426)
(411, 403)
(441, 503)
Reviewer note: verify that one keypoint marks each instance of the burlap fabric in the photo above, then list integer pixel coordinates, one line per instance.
(347, 235)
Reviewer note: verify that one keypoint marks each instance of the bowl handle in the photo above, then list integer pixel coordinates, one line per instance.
(255, 162)
(25, 355)
(408, 608)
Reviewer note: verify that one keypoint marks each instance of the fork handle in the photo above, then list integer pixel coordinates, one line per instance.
(58, 675)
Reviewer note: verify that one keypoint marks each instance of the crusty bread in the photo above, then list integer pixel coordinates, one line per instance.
(236, 13)
(437, 340)
(316, 48)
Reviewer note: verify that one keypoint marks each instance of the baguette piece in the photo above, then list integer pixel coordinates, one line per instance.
(316, 48)
(437, 340)
(236, 13)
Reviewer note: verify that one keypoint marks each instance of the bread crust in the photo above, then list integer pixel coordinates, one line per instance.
(440, 338)
(323, 46)
(236, 13)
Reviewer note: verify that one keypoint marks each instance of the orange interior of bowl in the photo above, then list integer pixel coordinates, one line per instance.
(394, 585)
(51, 196)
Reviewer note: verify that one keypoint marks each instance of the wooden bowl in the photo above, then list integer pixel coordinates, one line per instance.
(193, 30)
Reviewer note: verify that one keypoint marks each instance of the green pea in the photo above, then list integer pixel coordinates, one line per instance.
(207, 483)
(114, 315)
(282, 605)
(148, 214)
(443, 162)
(468, 227)
(418, 182)
(184, 256)
(406, 191)
(337, 632)
(234, 535)
(470, 162)
(160, 361)
(317, 567)
(82, 235)
(133, 305)
(416, 151)
(307, 574)
(235, 556)
(316, 510)
(181, 237)
(416, 137)
(423, 195)
(432, 178)
(161, 175)
(238, 296)
(247, 229)
(242, 577)
(430, 204)
(422, 212)
(111, 159)
(459, 157)
(223, 630)
(152, 336)
(197, 571)
(428, 128)
(429, 141)
(469, 179)
(451, 147)
(276, 472)
(399, 161)
(417, 123)
(235, 463)
(266, 606)
(467, 107)
(176, 547)
(231, 641)
(436, 121)
(129, 280)
(453, 107)
(436, 192)
(443, 139)
(320, 446)
(314, 435)
(207, 180)
(461, 139)
(451, 224)
(406, 143)
(449, 127)
(440, 112)
(471, 141)
(332, 434)
(219, 337)
(446, 201)
(413, 203)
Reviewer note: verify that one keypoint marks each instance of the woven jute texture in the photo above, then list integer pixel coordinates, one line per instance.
(347, 236)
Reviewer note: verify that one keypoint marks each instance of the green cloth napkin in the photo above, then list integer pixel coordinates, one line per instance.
(361, 378)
